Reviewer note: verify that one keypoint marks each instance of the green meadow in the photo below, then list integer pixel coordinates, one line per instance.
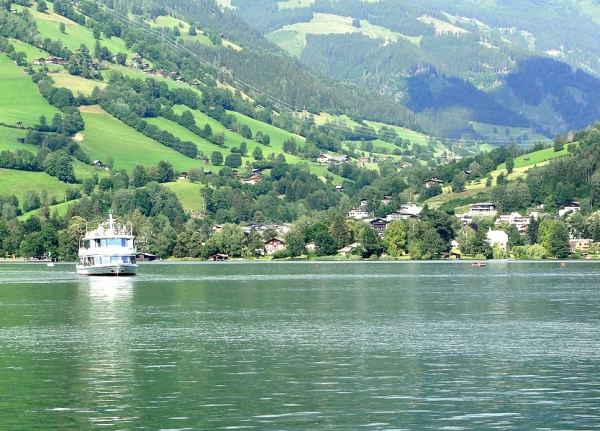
(8, 140)
(21, 99)
(48, 25)
(528, 136)
(39, 180)
(188, 194)
(402, 132)
(184, 134)
(76, 84)
(136, 73)
(324, 117)
(31, 51)
(169, 21)
(106, 136)
(18, 183)
(537, 157)
(277, 135)
(233, 139)
(60, 208)
(292, 38)
(442, 27)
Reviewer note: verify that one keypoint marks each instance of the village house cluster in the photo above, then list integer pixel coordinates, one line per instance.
(499, 237)
(410, 211)
(476, 211)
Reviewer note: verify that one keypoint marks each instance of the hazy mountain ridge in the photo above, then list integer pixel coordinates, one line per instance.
(483, 43)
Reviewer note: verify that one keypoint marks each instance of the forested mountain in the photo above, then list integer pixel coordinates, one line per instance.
(451, 62)
(184, 120)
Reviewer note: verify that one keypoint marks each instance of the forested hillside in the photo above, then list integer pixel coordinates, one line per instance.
(191, 133)
(448, 60)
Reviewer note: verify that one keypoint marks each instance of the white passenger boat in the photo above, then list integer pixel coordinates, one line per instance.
(107, 250)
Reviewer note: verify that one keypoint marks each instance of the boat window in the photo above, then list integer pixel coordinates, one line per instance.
(119, 242)
(126, 259)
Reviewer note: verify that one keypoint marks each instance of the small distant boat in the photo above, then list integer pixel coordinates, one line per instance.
(50, 264)
(107, 250)
(477, 265)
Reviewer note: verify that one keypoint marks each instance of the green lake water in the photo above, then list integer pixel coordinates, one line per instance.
(513, 345)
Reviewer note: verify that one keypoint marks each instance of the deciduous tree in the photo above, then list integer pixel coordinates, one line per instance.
(216, 158)
(394, 238)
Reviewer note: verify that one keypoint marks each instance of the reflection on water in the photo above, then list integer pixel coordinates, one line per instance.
(109, 362)
(302, 346)
(108, 288)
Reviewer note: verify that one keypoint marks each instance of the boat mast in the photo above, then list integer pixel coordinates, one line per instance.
(111, 222)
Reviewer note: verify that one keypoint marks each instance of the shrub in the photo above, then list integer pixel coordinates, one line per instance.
(281, 254)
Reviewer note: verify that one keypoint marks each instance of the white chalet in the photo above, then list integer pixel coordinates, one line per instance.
(274, 244)
(483, 209)
(406, 211)
(497, 237)
(514, 219)
(360, 213)
(326, 158)
(571, 206)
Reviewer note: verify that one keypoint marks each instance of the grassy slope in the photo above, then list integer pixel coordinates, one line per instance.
(232, 139)
(169, 21)
(277, 137)
(105, 135)
(61, 208)
(292, 38)
(136, 73)
(76, 84)
(538, 158)
(18, 183)
(74, 35)
(8, 140)
(402, 132)
(188, 194)
(31, 51)
(184, 134)
(442, 27)
(324, 117)
(20, 98)
(513, 133)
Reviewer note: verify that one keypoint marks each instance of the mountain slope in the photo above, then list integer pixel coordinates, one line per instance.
(439, 42)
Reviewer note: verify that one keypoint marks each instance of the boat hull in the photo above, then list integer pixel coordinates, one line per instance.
(108, 270)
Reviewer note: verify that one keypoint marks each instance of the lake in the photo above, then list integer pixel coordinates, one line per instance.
(311, 345)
